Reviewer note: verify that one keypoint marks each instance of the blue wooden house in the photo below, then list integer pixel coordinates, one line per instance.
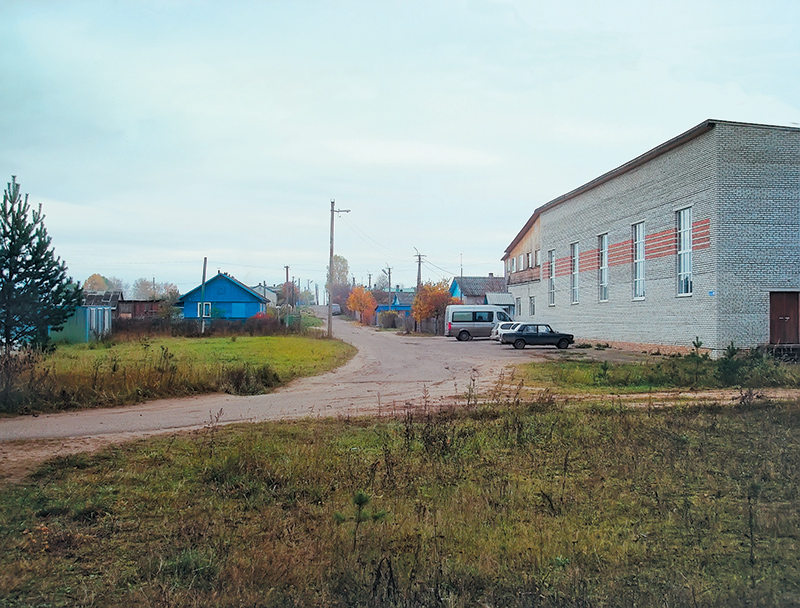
(224, 298)
(473, 290)
(396, 301)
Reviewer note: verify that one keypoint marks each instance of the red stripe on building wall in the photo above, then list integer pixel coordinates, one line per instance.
(590, 260)
(563, 266)
(620, 253)
(701, 234)
(656, 245)
(660, 244)
(663, 236)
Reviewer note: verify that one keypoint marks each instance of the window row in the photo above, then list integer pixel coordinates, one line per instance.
(683, 232)
(523, 261)
(531, 306)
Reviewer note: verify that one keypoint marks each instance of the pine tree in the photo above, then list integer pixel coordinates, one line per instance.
(35, 293)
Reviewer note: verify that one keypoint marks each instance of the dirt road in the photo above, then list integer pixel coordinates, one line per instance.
(390, 372)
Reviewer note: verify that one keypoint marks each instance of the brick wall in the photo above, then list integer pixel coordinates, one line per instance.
(741, 182)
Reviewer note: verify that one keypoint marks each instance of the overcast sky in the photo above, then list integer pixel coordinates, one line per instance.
(159, 132)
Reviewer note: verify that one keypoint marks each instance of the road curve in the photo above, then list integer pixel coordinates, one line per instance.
(390, 373)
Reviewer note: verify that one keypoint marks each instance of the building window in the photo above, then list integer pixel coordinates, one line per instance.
(206, 309)
(685, 252)
(518, 307)
(602, 264)
(520, 263)
(531, 305)
(551, 272)
(537, 258)
(528, 259)
(638, 261)
(574, 255)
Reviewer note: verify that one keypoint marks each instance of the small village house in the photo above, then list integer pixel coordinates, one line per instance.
(473, 290)
(223, 298)
(122, 308)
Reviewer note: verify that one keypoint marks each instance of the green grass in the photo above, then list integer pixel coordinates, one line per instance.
(79, 376)
(529, 504)
(576, 374)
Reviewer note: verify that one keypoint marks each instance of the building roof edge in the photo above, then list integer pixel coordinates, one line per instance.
(663, 148)
(671, 144)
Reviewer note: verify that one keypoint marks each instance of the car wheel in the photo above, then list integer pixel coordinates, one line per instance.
(562, 343)
(519, 344)
(463, 335)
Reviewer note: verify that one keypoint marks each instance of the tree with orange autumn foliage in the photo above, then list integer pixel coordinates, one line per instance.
(362, 302)
(431, 300)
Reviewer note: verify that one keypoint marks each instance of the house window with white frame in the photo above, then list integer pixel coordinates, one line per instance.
(638, 261)
(537, 257)
(517, 307)
(206, 306)
(551, 272)
(602, 264)
(574, 256)
(531, 305)
(528, 260)
(684, 217)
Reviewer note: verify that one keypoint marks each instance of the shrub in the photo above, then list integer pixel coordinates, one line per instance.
(271, 324)
(389, 319)
(247, 379)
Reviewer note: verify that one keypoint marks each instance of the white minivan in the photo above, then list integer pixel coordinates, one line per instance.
(467, 321)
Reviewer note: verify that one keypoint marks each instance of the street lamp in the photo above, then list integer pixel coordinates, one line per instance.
(330, 270)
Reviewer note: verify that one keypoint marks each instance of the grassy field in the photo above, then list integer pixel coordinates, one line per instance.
(579, 373)
(512, 504)
(76, 376)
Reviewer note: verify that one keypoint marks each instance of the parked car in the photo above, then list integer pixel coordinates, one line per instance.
(536, 334)
(336, 309)
(467, 321)
(500, 328)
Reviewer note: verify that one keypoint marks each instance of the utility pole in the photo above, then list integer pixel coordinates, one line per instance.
(419, 269)
(369, 277)
(287, 297)
(203, 299)
(330, 270)
(419, 281)
(388, 272)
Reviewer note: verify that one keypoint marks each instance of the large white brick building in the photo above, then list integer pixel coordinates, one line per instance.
(699, 237)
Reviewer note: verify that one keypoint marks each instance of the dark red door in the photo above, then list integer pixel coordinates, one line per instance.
(783, 318)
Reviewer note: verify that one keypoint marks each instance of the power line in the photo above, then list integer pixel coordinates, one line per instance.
(427, 263)
(368, 239)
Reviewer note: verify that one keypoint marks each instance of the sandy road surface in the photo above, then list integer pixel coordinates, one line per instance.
(390, 371)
